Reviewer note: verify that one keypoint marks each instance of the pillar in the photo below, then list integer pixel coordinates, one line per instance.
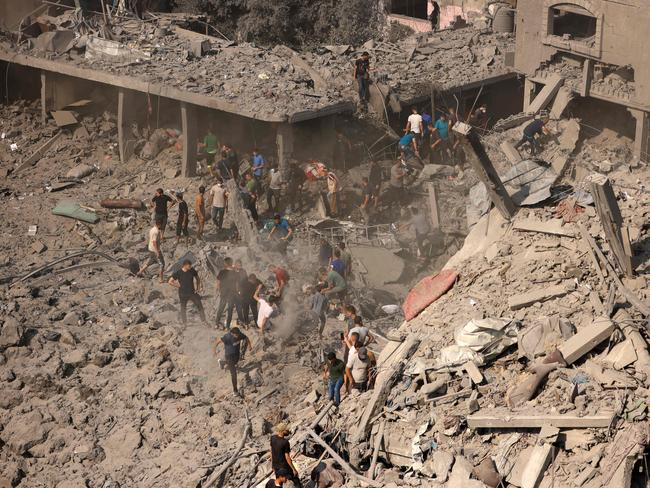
(641, 135)
(47, 95)
(126, 115)
(284, 141)
(190, 137)
(529, 93)
(587, 76)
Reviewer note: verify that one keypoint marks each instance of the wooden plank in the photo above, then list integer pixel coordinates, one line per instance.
(539, 460)
(586, 339)
(587, 239)
(552, 226)
(38, 152)
(522, 300)
(507, 420)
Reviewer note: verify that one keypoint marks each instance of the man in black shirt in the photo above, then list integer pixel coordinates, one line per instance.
(247, 289)
(362, 75)
(233, 352)
(281, 454)
(159, 203)
(434, 16)
(183, 279)
(183, 219)
(227, 289)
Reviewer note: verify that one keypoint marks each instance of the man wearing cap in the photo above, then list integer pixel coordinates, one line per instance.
(357, 371)
(281, 454)
(233, 352)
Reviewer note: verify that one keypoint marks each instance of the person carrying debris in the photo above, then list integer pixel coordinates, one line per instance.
(281, 461)
(232, 342)
(281, 279)
(219, 198)
(336, 284)
(227, 290)
(184, 279)
(362, 77)
(183, 219)
(281, 232)
(257, 164)
(334, 375)
(155, 251)
(535, 128)
(160, 205)
(319, 305)
(199, 212)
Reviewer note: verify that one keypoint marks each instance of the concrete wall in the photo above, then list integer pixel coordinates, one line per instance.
(12, 11)
(621, 33)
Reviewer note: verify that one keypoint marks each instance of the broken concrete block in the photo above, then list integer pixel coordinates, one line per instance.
(76, 357)
(441, 462)
(200, 47)
(487, 473)
(586, 339)
(23, 432)
(473, 372)
(312, 398)
(11, 333)
(621, 355)
(38, 247)
(522, 300)
(538, 461)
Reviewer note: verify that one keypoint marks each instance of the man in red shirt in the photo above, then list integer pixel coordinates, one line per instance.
(281, 278)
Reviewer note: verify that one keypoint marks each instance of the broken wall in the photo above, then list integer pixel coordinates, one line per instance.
(620, 34)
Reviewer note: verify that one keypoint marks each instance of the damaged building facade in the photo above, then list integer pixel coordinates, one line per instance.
(592, 48)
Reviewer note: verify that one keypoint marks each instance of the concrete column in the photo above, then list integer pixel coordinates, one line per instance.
(47, 95)
(190, 136)
(587, 76)
(529, 93)
(641, 136)
(126, 115)
(284, 140)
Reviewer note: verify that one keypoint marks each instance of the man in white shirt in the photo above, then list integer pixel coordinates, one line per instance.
(357, 369)
(274, 190)
(155, 251)
(219, 197)
(415, 124)
(264, 310)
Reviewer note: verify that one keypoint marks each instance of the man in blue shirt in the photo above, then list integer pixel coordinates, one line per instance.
(530, 131)
(408, 145)
(258, 164)
(441, 128)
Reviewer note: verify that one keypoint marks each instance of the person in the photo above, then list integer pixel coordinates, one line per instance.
(368, 198)
(334, 374)
(232, 160)
(453, 120)
(362, 333)
(421, 227)
(427, 121)
(252, 187)
(333, 188)
(408, 145)
(281, 229)
(374, 180)
(210, 146)
(319, 305)
(219, 197)
(396, 183)
(249, 288)
(160, 204)
(155, 250)
(281, 477)
(415, 124)
(480, 117)
(335, 283)
(362, 76)
(281, 461)
(357, 369)
(347, 259)
(337, 263)
(434, 16)
(281, 279)
(184, 279)
(227, 289)
(536, 127)
(441, 127)
(265, 309)
(342, 150)
(274, 191)
(257, 164)
(240, 277)
(199, 212)
(350, 314)
(183, 219)
(324, 252)
(223, 169)
(232, 343)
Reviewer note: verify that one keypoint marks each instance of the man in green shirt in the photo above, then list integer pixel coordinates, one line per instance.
(335, 283)
(210, 147)
(334, 371)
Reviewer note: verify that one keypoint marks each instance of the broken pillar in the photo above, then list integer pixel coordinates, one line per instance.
(57, 92)
(125, 117)
(545, 96)
(529, 93)
(190, 136)
(641, 135)
(587, 76)
(284, 140)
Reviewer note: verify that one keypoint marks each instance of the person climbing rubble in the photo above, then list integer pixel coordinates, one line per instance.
(318, 307)
(253, 189)
(336, 284)
(350, 314)
(155, 251)
(199, 212)
(442, 129)
(362, 77)
(358, 367)
(161, 204)
(334, 374)
(281, 233)
(368, 200)
(281, 279)
(408, 146)
(281, 461)
(227, 291)
(182, 223)
(184, 279)
(536, 128)
(235, 344)
(219, 199)
(360, 332)
(265, 310)
(396, 184)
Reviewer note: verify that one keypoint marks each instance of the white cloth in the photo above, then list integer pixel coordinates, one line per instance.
(218, 196)
(416, 123)
(264, 311)
(154, 238)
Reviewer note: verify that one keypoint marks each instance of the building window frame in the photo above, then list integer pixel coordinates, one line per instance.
(572, 45)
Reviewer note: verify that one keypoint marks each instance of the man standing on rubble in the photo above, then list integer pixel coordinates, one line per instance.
(274, 191)
(227, 290)
(335, 283)
(249, 288)
(232, 342)
(535, 128)
(160, 204)
(257, 164)
(266, 308)
(441, 128)
(281, 461)
(434, 16)
(184, 279)
(199, 212)
(183, 219)
(319, 305)
(281, 279)
(219, 197)
(155, 251)
(357, 369)
(334, 374)
(415, 124)
(362, 76)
